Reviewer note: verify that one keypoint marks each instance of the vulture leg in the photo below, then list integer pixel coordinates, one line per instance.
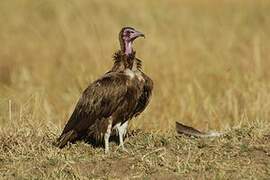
(107, 135)
(122, 130)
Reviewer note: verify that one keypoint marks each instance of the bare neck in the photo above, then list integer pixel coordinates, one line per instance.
(128, 48)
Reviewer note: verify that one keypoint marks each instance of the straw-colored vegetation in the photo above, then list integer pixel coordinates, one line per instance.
(210, 63)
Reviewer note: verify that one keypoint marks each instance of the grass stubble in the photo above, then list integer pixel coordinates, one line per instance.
(209, 61)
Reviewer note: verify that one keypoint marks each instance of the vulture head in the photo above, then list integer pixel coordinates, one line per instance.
(126, 37)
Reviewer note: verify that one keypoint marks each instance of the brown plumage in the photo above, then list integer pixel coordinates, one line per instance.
(190, 131)
(111, 101)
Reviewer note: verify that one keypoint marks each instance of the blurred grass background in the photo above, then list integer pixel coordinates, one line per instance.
(209, 59)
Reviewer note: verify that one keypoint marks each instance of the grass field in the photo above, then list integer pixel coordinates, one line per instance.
(209, 61)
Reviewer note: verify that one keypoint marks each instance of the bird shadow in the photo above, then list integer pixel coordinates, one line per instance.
(99, 143)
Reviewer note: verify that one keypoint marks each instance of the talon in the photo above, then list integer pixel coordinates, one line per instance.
(124, 149)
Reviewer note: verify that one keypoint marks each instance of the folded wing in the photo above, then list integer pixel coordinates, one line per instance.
(98, 101)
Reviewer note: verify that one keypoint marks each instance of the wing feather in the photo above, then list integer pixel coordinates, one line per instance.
(98, 101)
(145, 96)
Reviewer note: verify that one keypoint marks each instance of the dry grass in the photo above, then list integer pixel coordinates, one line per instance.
(243, 153)
(209, 61)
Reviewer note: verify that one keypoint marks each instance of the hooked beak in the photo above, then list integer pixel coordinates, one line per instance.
(137, 34)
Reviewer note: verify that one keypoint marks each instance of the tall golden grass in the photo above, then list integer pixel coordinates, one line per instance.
(209, 59)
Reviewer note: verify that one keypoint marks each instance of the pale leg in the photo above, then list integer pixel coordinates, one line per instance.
(121, 132)
(107, 136)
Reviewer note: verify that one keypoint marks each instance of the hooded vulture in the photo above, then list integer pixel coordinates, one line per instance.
(107, 104)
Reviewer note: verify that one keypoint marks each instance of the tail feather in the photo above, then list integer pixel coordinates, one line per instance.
(70, 136)
(190, 131)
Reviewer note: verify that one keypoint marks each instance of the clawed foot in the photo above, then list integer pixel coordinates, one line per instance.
(122, 148)
(107, 151)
